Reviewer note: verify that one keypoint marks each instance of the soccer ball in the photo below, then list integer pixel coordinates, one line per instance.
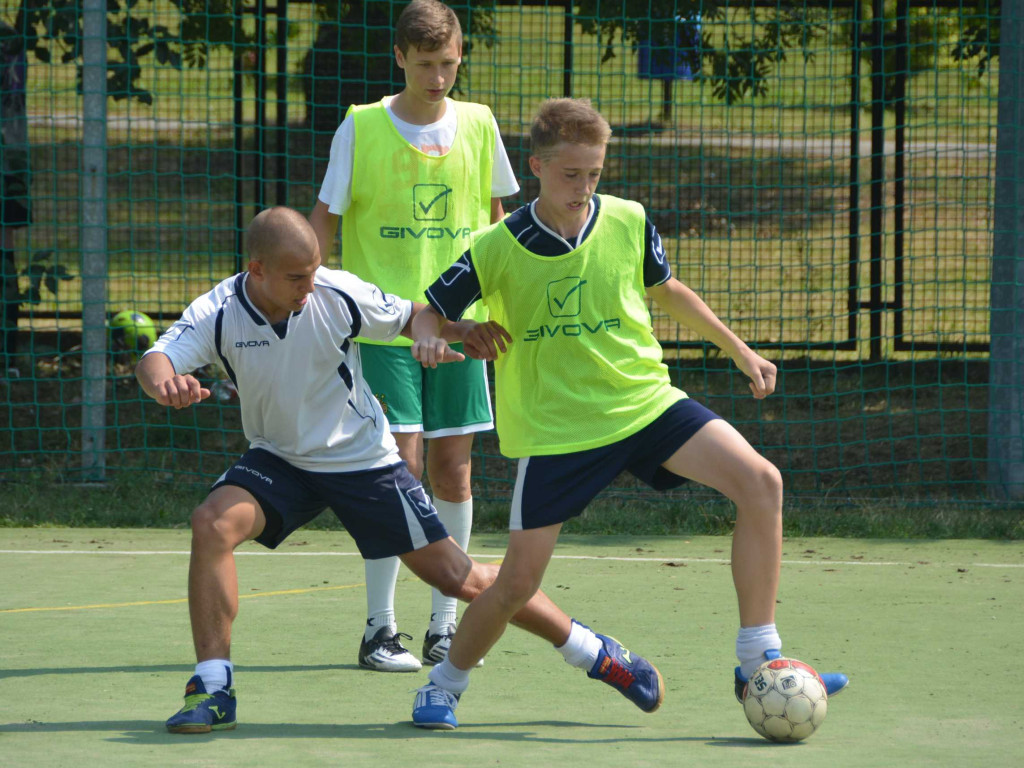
(785, 700)
(132, 332)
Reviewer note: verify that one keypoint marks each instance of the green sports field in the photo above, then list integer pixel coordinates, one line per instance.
(96, 652)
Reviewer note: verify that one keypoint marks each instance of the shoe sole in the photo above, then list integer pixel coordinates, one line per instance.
(371, 668)
(201, 728)
(661, 691)
(435, 726)
(836, 693)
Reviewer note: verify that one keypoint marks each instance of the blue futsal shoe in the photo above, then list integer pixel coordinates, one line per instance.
(631, 675)
(834, 681)
(204, 712)
(434, 708)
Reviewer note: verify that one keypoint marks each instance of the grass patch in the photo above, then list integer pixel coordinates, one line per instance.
(131, 503)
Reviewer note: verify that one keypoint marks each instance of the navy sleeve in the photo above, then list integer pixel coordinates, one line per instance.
(656, 267)
(456, 289)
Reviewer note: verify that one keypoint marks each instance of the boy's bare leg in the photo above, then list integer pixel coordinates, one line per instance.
(512, 598)
(449, 467)
(719, 457)
(228, 517)
(444, 565)
(515, 597)
(449, 462)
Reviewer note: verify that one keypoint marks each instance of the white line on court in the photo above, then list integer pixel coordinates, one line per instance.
(492, 555)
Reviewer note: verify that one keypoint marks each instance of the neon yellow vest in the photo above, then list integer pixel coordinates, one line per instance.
(584, 369)
(412, 213)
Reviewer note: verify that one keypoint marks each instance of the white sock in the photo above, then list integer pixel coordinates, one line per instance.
(457, 517)
(752, 642)
(446, 675)
(380, 594)
(582, 647)
(216, 674)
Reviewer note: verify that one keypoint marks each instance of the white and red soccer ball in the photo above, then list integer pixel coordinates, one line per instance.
(785, 700)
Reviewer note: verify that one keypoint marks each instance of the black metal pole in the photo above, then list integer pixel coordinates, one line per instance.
(878, 73)
(853, 268)
(282, 103)
(899, 159)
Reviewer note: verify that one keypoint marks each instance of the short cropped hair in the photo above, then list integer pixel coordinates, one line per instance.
(429, 25)
(275, 230)
(573, 121)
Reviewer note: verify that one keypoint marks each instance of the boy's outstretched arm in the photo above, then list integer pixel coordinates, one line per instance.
(686, 308)
(157, 378)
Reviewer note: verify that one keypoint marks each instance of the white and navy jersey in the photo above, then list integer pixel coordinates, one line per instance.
(458, 288)
(300, 382)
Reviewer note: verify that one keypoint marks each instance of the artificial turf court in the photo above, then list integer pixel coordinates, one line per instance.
(95, 652)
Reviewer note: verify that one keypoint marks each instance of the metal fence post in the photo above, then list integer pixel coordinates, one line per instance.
(94, 238)
(1006, 359)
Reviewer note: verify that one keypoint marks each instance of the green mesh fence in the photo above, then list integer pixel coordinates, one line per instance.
(823, 174)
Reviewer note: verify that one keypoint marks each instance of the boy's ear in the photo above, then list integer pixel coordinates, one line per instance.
(399, 57)
(535, 164)
(256, 269)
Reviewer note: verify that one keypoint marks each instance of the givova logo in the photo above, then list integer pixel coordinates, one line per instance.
(565, 299)
(565, 296)
(430, 202)
(255, 473)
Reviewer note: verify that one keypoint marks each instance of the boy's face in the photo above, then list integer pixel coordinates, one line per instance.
(430, 75)
(283, 282)
(569, 177)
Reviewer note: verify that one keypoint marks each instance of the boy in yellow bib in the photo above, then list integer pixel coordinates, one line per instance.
(411, 176)
(582, 394)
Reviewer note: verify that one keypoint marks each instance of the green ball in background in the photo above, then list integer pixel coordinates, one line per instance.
(132, 331)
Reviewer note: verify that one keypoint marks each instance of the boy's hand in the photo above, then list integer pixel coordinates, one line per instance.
(434, 350)
(180, 392)
(484, 341)
(762, 374)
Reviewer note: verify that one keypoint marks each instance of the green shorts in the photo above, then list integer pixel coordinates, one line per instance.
(452, 399)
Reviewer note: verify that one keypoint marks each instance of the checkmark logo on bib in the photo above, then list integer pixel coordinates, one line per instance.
(564, 296)
(430, 202)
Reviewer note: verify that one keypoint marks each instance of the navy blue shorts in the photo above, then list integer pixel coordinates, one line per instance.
(385, 510)
(553, 489)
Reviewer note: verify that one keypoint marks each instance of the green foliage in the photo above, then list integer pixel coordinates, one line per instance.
(979, 35)
(929, 36)
(55, 28)
(43, 272)
(740, 55)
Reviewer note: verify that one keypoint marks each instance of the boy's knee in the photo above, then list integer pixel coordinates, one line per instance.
(204, 518)
(212, 524)
(760, 488)
(772, 479)
(516, 588)
(450, 487)
(451, 576)
(450, 480)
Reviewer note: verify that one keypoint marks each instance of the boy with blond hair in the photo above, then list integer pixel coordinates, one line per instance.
(582, 394)
(410, 177)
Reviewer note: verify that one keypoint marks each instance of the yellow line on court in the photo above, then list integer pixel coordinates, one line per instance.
(171, 602)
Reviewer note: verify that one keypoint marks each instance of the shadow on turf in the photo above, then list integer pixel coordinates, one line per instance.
(152, 733)
(182, 668)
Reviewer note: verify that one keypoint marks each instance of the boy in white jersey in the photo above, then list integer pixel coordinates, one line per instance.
(283, 330)
(582, 394)
(411, 176)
